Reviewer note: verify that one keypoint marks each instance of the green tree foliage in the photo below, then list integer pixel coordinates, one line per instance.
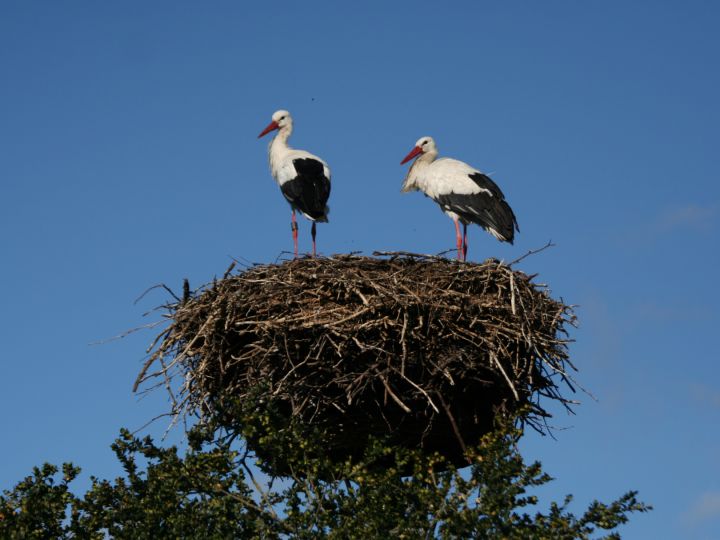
(211, 492)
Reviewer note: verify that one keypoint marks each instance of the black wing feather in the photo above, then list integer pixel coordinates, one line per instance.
(309, 190)
(489, 210)
(485, 182)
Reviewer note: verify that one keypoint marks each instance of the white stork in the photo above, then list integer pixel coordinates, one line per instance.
(304, 179)
(464, 193)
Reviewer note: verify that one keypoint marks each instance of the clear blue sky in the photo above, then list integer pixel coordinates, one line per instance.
(128, 157)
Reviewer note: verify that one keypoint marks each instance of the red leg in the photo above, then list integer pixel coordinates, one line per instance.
(313, 237)
(458, 241)
(294, 227)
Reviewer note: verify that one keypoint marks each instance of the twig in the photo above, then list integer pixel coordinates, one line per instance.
(158, 286)
(532, 252)
(396, 254)
(454, 425)
(393, 396)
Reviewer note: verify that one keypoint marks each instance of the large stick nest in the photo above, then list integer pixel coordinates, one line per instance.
(421, 349)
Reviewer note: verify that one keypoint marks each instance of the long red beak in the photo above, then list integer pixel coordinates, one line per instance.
(271, 126)
(414, 152)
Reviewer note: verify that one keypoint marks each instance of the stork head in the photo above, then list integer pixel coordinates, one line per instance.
(424, 145)
(280, 119)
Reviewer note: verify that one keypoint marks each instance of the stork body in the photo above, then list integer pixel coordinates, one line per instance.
(304, 179)
(463, 193)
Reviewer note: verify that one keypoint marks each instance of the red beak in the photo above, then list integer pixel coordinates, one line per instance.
(271, 126)
(414, 152)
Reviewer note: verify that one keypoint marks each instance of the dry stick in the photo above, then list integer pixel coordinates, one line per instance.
(532, 252)
(512, 292)
(442, 370)
(345, 319)
(419, 389)
(128, 332)
(146, 424)
(499, 365)
(288, 319)
(141, 377)
(159, 285)
(168, 386)
(281, 381)
(361, 295)
(454, 426)
(338, 407)
(403, 342)
(395, 254)
(392, 395)
(160, 372)
(229, 269)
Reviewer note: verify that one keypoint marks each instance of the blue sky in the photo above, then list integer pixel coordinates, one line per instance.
(129, 156)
